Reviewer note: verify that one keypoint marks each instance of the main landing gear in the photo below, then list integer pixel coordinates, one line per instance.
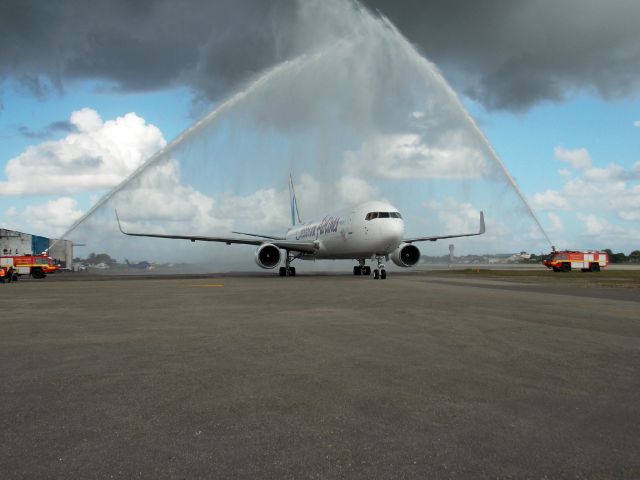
(288, 271)
(362, 269)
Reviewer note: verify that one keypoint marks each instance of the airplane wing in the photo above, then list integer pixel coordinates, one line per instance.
(259, 235)
(433, 239)
(294, 245)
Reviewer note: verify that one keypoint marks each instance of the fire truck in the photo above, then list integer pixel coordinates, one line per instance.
(38, 266)
(585, 260)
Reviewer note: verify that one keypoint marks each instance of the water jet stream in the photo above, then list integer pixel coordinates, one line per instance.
(453, 97)
(366, 87)
(280, 69)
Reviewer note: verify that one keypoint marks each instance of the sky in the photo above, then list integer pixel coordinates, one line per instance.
(90, 90)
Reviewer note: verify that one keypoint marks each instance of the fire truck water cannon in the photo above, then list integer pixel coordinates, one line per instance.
(585, 260)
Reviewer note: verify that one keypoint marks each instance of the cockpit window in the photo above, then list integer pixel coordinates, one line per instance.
(372, 215)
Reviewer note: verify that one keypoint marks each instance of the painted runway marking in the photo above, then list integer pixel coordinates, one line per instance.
(209, 285)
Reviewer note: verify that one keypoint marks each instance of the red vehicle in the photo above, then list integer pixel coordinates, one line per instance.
(38, 266)
(585, 260)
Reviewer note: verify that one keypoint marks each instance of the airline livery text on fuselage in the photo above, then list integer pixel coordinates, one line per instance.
(327, 225)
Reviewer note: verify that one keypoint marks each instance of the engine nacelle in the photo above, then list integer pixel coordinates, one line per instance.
(267, 256)
(406, 255)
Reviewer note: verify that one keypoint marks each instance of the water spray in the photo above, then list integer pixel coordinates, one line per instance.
(433, 70)
(280, 69)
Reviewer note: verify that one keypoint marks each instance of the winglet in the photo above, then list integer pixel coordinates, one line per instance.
(482, 228)
(118, 220)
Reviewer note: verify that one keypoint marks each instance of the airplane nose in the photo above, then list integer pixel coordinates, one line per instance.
(398, 231)
(394, 233)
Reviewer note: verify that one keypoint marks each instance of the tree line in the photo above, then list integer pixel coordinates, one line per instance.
(633, 257)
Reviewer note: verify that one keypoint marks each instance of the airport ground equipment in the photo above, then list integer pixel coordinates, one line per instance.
(38, 266)
(585, 260)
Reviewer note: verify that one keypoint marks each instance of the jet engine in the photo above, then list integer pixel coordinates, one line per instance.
(406, 255)
(267, 255)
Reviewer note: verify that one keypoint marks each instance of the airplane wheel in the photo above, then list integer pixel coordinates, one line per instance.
(366, 270)
(383, 274)
(357, 270)
(283, 272)
(292, 271)
(376, 274)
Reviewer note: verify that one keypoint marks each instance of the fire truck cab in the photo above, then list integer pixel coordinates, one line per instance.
(585, 260)
(38, 266)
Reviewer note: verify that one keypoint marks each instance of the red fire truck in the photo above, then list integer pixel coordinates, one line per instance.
(585, 260)
(38, 266)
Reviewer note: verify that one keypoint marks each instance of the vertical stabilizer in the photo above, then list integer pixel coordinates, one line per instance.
(295, 213)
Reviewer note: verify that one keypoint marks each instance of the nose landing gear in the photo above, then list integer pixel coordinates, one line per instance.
(380, 272)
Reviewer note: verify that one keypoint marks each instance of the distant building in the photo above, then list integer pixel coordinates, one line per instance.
(19, 243)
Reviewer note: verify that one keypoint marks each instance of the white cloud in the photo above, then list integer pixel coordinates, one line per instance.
(98, 155)
(630, 215)
(406, 156)
(556, 222)
(353, 190)
(455, 217)
(158, 196)
(594, 225)
(51, 218)
(636, 123)
(613, 172)
(578, 158)
(550, 200)
(160, 203)
(565, 173)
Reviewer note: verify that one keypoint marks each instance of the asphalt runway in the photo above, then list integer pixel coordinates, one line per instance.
(331, 376)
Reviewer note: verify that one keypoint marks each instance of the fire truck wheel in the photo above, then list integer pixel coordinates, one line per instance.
(566, 267)
(594, 267)
(37, 273)
(556, 269)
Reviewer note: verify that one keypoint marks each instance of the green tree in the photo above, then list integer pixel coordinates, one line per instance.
(95, 259)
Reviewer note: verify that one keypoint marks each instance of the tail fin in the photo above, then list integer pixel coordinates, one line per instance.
(295, 213)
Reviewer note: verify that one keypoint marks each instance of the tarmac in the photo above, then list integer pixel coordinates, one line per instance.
(318, 376)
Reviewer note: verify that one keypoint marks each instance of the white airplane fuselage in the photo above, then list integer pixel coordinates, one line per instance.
(349, 234)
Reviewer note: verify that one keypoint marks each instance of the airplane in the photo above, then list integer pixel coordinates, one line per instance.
(372, 230)
(144, 265)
